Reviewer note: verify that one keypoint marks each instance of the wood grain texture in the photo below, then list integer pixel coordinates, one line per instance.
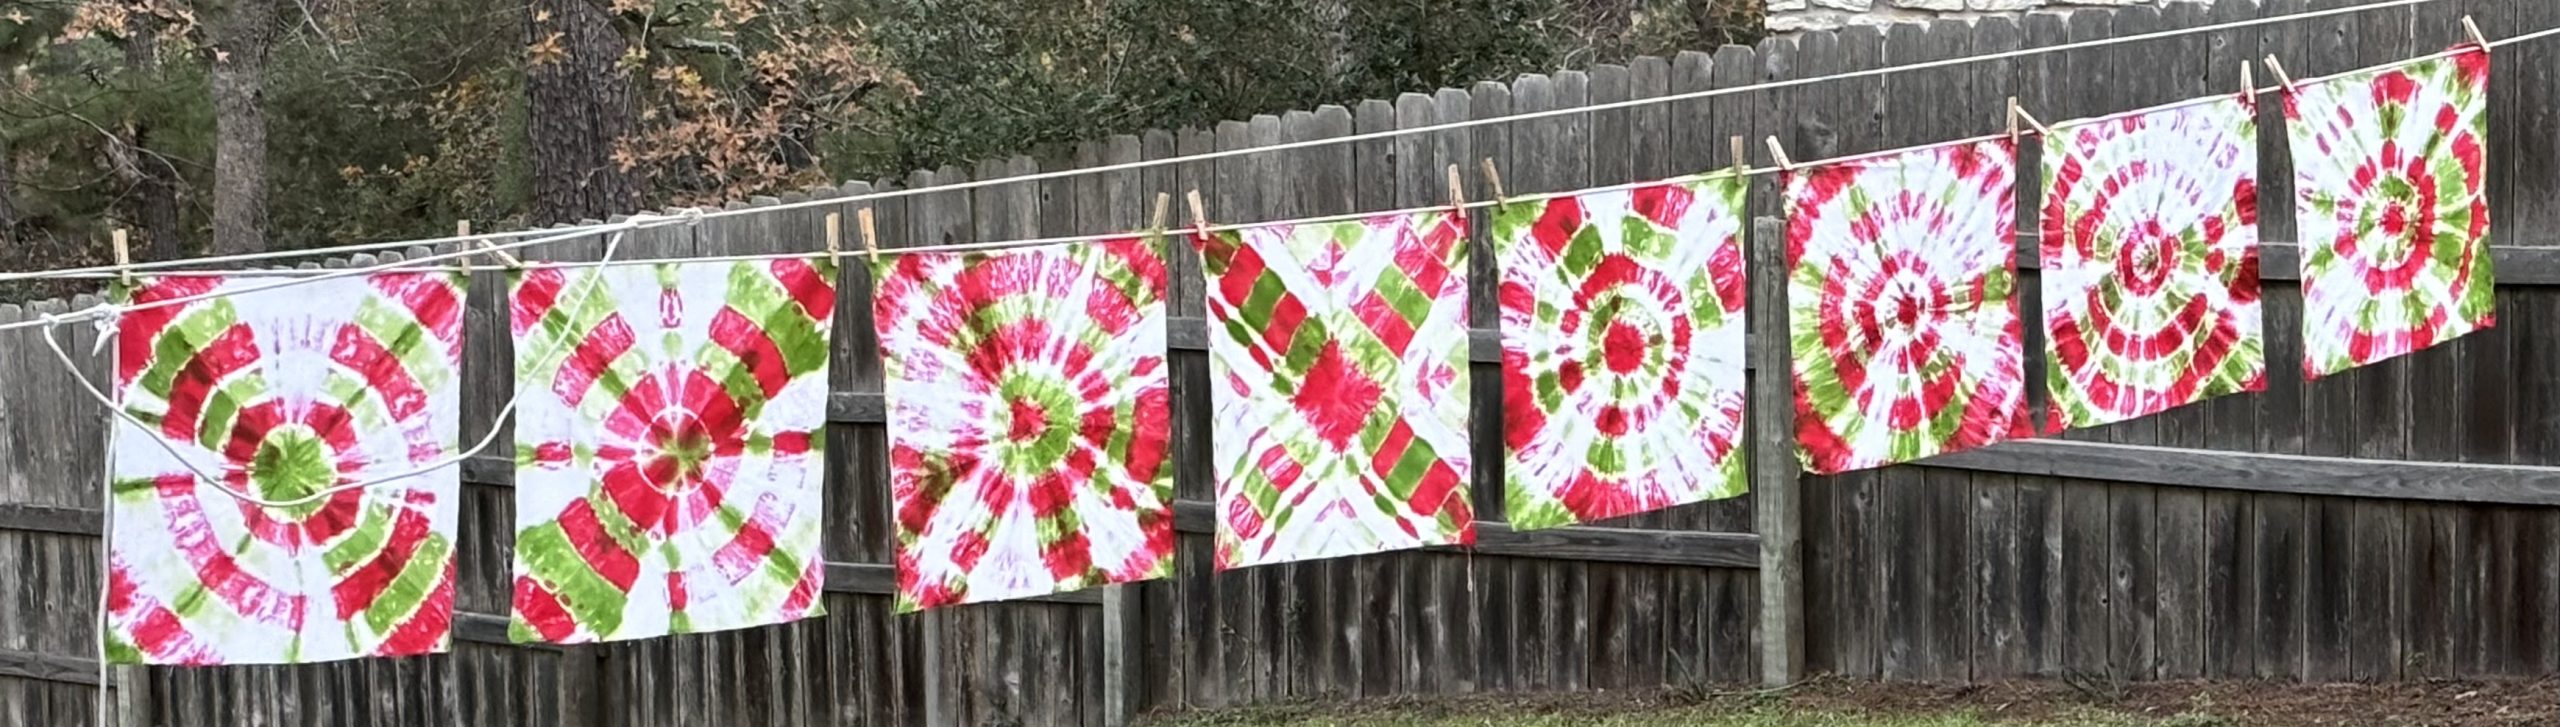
(50, 519)
(2280, 473)
(48, 667)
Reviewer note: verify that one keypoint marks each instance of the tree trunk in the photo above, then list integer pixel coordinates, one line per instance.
(155, 200)
(152, 179)
(579, 107)
(8, 195)
(241, 37)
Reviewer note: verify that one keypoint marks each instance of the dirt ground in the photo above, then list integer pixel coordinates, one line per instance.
(2274, 704)
(2179, 704)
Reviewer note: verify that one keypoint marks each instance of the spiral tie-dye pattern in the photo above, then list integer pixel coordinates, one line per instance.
(2150, 267)
(285, 400)
(669, 441)
(1030, 420)
(1902, 310)
(1621, 351)
(2389, 180)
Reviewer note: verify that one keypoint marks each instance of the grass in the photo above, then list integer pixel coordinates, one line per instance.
(1830, 702)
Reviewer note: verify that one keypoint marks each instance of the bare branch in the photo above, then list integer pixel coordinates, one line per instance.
(698, 45)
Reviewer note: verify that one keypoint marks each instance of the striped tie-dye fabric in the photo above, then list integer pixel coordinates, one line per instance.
(1338, 387)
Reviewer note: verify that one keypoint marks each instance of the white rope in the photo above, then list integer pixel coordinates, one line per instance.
(1745, 171)
(1327, 141)
(105, 309)
(693, 215)
(108, 271)
(1568, 111)
(2535, 35)
(217, 483)
(106, 565)
(689, 215)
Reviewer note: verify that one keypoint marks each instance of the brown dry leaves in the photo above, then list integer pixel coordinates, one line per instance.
(734, 105)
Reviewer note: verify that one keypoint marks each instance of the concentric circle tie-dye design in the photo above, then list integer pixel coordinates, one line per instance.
(1901, 305)
(1338, 387)
(670, 436)
(1030, 423)
(2389, 186)
(1622, 351)
(281, 399)
(2150, 242)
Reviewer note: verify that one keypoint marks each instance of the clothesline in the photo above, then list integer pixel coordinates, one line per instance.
(1307, 143)
(106, 310)
(297, 277)
(1745, 170)
(217, 482)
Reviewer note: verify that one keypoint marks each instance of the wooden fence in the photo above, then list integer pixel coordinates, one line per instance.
(2395, 522)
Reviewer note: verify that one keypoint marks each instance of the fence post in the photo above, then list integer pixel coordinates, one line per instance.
(1772, 460)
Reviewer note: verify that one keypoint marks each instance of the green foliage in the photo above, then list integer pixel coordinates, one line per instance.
(1469, 41)
(998, 78)
(393, 118)
(403, 118)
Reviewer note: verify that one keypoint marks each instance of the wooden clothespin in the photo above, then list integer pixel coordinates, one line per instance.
(1778, 153)
(1741, 157)
(1199, 214)
(2248, 81)
(124, 257)
(501, 255)
(1493, 181)
(2031, 120)
(870, 233)
(1457, 191)
(2282, 78)
(2013, 119)
(2473, 29)
(835, 238)
(462, 228)
(1164, 210)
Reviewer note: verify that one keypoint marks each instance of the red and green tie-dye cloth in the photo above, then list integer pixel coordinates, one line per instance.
(2390, 188)
(282, 399)
(2150, 272)
(1902, 305)
(1030, 421)
(670, 433)
(1338, 387)
(1622, 351)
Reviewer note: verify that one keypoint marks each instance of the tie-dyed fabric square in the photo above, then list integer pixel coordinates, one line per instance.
(1030, 421)
(670, 435)
(2390, 189)
(1622, 353)
(2150, 242)
(1902, 305)
(268, 394)
(1338, 378)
